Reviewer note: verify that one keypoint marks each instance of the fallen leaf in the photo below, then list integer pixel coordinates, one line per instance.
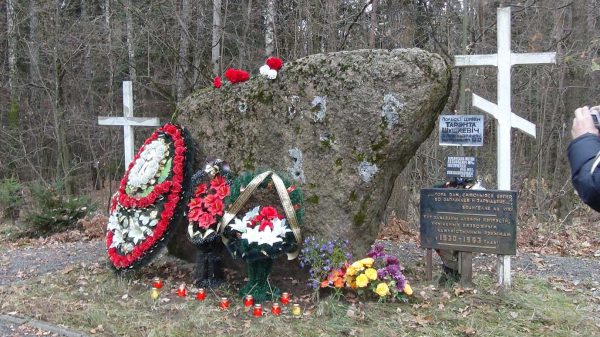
(422, 320)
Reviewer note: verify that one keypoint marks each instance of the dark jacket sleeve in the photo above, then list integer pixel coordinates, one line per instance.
(582, 152)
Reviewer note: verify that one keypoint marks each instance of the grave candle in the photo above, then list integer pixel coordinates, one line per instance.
(276, 309)
(248, 301)
(224, 304)
(201, 295)
(296, 310)
(182, 291)
(257, 310)
(157, 283)
(285, 298)
(154, 293)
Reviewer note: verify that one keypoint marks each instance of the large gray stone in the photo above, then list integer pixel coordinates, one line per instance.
(342, 124)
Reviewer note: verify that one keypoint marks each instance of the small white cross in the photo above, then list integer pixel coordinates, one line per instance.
(502, 112)
(128, 122)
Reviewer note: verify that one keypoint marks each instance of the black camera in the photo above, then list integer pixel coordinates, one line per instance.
(596, 119)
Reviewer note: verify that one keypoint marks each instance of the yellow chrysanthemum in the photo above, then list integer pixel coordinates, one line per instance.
(351, 271)
(367, 262)
(371, 274)
(382, 289)
(362, 280)
(407, 289)
(357, 265)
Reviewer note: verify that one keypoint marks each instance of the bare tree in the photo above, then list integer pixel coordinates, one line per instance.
(215, 59)
(184, 44)
(269, 28)
(12, 58)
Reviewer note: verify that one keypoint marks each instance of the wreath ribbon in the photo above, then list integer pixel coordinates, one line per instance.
(284, 197)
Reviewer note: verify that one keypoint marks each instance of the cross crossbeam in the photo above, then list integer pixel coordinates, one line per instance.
(128, 122)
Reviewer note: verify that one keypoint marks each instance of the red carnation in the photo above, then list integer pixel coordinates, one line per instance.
(264, 224)
(208, 200)
(217, 82)
(195, 203)
(222, 191)
(216, 208)
(269, 212)
(206, 220)
(195, 214)
(236, 75)
(274, 63)
(201, 189)
(217, 182)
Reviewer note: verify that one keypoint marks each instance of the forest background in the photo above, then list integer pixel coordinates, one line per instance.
(64, 61)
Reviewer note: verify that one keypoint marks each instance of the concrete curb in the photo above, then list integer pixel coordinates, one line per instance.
(61, 331)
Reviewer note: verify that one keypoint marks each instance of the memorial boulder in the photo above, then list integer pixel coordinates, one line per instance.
(341, 125)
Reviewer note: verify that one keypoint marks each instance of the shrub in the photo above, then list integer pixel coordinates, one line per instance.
(54, 211)
(11, 198)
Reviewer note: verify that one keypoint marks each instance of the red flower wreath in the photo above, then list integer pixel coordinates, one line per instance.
(169, 190)
(207, 203)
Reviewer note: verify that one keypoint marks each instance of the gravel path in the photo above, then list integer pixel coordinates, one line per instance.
(572, 269)
(31, 261)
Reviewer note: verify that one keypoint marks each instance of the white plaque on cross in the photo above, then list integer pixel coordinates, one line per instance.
(128, 122)
(502, 112)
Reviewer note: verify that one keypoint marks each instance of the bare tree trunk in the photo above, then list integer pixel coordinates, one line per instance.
(12, 59)
(34, 55)
(373, 30)
(269, 26)
(244, 52)
(462, 99)
(216, 38)
(592, 13)
(184, 43)
(197, 46)
(58, 109)
(111, 61)
(130, 40)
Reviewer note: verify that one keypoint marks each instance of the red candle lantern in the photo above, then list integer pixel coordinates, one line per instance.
(182, 291)
(157, 283)
(285, 298)
(257, 310)
(276, 309)
(201, 295)
(224, 304)
(248, 301)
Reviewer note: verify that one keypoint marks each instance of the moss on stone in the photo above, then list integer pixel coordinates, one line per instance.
(352, 196)
(313, 199)
(338, 162)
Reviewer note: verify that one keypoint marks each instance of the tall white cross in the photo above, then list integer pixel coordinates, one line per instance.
(502, 112)
(128, 122)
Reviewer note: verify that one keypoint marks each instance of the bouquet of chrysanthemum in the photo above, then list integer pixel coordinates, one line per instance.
(378, 273)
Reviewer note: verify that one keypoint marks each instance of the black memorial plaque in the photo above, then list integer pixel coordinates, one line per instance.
(465, 220)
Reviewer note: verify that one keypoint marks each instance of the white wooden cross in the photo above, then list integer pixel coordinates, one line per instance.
(502, 112)
(128, 122)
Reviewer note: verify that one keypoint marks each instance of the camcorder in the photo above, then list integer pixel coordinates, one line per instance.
(595, 111)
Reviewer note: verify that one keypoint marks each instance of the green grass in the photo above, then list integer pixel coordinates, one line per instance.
(88, 297)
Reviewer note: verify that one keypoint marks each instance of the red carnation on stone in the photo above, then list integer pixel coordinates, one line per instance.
(274, 63)
(217, 182)
(236, 75)
(217, 82)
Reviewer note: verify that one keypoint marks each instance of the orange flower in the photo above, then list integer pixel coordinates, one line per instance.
(339, 282)
(324, 284)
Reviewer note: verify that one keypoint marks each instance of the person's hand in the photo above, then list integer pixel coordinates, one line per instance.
(583, 122)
